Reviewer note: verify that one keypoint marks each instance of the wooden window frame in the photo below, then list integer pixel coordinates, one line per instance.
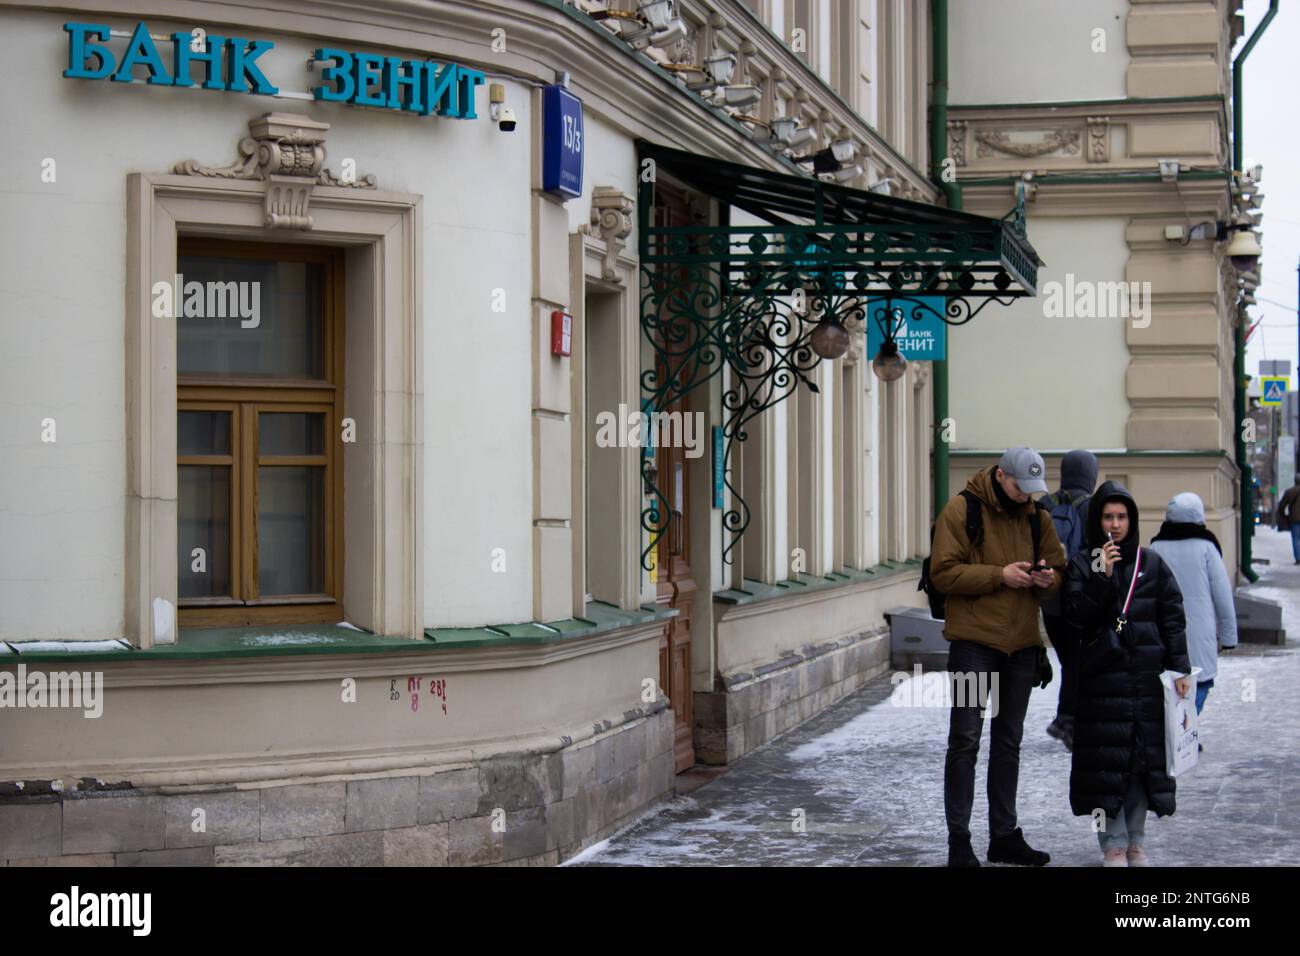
(246, 399)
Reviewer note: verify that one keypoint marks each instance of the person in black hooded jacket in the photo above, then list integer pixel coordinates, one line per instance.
(1118, 762)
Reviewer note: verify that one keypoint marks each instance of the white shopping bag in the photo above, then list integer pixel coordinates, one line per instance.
(1182, 739)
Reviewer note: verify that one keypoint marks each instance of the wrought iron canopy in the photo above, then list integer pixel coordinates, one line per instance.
(748, 298)
(908, 247)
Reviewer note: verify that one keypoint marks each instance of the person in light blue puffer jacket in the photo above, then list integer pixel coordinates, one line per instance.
(1193, 553)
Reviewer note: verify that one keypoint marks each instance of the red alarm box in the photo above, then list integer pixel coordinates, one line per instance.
(561, 333)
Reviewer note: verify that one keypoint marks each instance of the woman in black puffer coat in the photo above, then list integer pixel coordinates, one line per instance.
(1119, 750)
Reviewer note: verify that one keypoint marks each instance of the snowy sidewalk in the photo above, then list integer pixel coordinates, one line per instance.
(866, 779)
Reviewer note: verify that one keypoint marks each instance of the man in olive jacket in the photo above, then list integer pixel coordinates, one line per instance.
(991, 621)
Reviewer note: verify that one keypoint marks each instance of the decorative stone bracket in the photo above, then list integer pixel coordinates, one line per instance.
(957, 141)
(611, 220)
(287, 152)
(1099, 139)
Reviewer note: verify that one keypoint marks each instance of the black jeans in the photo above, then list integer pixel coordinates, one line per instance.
(1015, 676)
(1065, 638)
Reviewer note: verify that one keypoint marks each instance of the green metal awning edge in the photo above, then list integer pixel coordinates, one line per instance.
(771, 195)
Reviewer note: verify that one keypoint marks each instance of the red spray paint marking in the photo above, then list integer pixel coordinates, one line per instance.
(438, 688)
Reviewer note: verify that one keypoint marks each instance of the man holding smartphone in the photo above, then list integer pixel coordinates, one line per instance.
(993, 589)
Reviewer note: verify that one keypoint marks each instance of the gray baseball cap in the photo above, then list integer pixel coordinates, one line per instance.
(1026, 466)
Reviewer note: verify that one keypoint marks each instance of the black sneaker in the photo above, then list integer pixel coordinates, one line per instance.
(1012, 848)
(960, 852)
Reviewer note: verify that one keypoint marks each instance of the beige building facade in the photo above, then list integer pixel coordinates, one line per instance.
(358, 576)
(1128, 350)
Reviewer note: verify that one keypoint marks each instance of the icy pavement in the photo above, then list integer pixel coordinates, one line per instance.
(865, 779)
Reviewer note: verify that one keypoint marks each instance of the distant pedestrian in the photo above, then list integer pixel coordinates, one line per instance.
(1288, 519)
(1069, 506)
(1193, 553)
(993, 572)
(1127, 602)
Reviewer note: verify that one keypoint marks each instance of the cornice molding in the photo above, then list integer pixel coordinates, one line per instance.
(623, 88)
(1102, 198)
(1066, 107)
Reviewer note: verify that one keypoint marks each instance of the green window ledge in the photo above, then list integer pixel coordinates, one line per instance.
(1101, 454)
(757, 591)
(237, 642)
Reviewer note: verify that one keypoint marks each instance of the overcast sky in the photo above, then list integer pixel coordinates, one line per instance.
(1272, 137)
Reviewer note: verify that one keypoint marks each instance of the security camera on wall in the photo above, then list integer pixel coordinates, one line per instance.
(502, 115)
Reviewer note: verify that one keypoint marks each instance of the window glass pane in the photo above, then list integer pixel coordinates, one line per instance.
(290, 530)
(802, 16)
(251, 317)
(203, 433)
(291, 433)
(203, 506)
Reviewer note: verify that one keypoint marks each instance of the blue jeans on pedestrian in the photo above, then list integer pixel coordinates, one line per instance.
(1295, 540)
(1128, 828)
(1202, 691)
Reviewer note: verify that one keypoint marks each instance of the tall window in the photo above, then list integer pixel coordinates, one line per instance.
(259, 433)
(802, 13)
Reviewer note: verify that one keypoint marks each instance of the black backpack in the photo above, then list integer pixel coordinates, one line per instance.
(1070, 515)
(974, 534)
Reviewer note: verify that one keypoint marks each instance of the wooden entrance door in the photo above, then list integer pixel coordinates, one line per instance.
(676, 589)
(676, 585)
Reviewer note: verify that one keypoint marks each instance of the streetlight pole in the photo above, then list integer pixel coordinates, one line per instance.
(1247, 525)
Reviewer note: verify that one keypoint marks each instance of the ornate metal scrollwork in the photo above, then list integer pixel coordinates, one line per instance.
(747, 299)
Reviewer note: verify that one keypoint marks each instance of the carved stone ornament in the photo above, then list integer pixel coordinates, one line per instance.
(683, 51)
(611, 220)
(957, 141)
(853, 356)
(920, 374)
(994, 141)
(857, 344)
(1099, 139)
(287, 152)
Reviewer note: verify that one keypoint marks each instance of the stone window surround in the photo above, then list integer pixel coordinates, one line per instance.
(607, 268)
(383, 532)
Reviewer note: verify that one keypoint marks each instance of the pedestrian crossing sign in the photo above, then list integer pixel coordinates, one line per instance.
(1273, 389)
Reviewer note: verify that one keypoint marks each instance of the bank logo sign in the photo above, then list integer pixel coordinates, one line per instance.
(917, 328)
(231, 64)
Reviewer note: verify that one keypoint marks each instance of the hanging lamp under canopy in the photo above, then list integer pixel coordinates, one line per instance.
(766, 301)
